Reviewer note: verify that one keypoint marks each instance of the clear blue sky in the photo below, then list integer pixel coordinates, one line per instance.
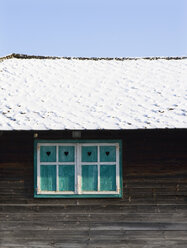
(94, 28)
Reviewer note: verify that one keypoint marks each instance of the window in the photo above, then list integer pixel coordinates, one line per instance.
(78, 168)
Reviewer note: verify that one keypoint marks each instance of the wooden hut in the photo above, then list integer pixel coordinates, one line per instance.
(93, 152)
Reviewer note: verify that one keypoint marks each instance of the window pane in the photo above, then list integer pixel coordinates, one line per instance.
(89, 153)
(48, 154)
(89, 177)
(107, 153)
(108, 177)
(66, 153)
(48, 177)
(66, 178)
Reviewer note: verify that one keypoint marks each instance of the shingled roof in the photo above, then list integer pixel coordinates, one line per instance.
(52, 93)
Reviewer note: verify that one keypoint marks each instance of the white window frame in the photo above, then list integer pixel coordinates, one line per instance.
(78, 167)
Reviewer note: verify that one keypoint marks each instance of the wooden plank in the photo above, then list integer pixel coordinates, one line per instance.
(140, 226)
(97, 217)
(37, 225)
(89, 242)
(88, 209)
(151, 214)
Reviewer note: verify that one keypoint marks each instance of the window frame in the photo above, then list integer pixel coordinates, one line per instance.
(78, 193)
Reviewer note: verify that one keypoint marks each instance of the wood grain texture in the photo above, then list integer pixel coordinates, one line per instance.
(152, 212)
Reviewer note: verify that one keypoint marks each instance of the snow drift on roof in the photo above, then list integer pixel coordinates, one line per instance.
(65, 93)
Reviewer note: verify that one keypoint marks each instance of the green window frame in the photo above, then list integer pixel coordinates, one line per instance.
(77, 168)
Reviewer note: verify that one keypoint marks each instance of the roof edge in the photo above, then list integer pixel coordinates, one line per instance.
(25, 56)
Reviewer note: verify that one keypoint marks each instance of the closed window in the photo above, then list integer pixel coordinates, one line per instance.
(78, 169)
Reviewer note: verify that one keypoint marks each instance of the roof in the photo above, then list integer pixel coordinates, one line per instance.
(52, 93)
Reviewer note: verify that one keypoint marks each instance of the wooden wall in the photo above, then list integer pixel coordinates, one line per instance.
(151, 214)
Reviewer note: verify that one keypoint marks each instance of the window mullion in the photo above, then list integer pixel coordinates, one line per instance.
(57, 169)
(98, 167)
(78, 163)
(76, 169)
(117, 169)
(38, 168)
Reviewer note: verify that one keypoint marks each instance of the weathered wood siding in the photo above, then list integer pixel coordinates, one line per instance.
(152, 212)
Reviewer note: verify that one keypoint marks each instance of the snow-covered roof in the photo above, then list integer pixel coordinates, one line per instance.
(38, 93)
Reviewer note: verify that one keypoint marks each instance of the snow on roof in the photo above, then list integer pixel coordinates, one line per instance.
(38, 93)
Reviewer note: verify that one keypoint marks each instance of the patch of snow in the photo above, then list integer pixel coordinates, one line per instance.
(42, 94)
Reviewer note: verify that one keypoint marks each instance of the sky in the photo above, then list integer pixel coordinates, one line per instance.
(94, 28)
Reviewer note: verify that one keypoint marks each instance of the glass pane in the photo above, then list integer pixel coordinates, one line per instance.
(89, 153)
(107, 153)
(48, 177)
(66, 153)
(89, 177)
(66, 177)
(48, 154)
(108, 177)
